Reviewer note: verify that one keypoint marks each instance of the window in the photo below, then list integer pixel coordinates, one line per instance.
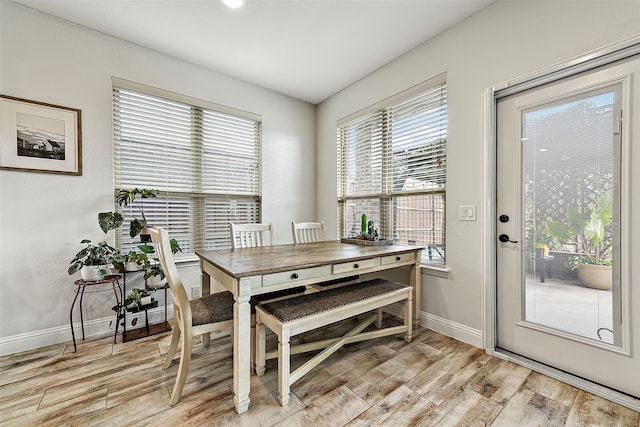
(205, 159)
(392, 167)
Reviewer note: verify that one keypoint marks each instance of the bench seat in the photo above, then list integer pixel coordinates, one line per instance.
(296, 315)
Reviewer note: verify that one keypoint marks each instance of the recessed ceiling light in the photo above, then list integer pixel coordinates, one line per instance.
(234, 4)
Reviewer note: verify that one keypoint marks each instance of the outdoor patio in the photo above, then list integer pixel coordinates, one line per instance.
(567, 305)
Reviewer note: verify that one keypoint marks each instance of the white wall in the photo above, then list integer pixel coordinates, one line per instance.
(43, 217)
(504, 41)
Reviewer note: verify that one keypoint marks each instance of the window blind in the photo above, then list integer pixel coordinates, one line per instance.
(206, 164)
(392, 167)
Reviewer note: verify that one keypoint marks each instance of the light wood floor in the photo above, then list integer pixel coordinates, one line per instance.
(434, 380)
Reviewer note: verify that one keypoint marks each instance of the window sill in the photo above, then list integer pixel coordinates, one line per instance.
(432, 270)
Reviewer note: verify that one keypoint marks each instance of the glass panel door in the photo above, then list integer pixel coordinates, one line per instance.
(568, 174)
(566, 294)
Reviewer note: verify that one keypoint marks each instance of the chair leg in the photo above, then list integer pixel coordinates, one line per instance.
(253, 345)
(175, 338)
(260, 345)
(284, 367)
(183, 369)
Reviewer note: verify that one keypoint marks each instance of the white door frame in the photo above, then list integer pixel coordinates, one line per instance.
(605, 55)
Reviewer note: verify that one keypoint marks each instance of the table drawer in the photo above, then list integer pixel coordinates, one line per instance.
(291, 276)
(354, 266)
(398, 259)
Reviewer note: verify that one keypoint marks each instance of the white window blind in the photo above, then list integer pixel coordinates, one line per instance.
(392, 167)
(206, 164)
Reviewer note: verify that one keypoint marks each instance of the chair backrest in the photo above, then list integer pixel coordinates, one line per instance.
(307, 232)
(181, 307)
(250, 235)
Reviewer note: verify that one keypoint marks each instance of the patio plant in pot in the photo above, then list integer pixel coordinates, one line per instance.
(134, 197)
(93, 260)
(589, 229)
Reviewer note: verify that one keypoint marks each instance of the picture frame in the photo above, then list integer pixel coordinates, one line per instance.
(39, 137)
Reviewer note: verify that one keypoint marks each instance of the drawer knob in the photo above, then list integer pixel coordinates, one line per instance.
(398, 258)
(356, 265)
(294, 276)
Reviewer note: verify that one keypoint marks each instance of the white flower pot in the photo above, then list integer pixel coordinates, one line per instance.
(91, 273)
(154, 281)
(132, 266)
(145, 300)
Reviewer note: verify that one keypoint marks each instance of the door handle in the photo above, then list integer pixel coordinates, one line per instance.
(504, 238)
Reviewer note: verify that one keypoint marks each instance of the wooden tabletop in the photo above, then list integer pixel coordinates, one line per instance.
(243, 262)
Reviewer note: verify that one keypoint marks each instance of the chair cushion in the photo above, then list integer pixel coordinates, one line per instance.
(294, 308)
(212, 308)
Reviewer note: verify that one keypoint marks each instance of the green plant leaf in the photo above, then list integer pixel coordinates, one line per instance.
(74, 267)
(135, 227)
(148, 193)
(109, 220)
(175, 246)
(125, 197)
(147, 249)
(594, 230)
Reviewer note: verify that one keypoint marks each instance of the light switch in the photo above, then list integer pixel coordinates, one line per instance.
(467, 213)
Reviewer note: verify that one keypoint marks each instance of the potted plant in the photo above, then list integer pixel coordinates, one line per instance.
(92, 261)
(126, 197)
(136, 261)
(589, 229)
(154, 273)
(138, 297)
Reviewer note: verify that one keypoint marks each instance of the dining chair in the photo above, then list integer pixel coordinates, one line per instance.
(251, 235)
(307, 232)
(310, 232)
(200, 316)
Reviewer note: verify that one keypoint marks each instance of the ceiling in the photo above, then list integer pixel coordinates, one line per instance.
(307, 49)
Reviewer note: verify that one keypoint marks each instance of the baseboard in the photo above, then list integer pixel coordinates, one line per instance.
(99, 328)
(93, 329)
(443, 326)
(451, 329)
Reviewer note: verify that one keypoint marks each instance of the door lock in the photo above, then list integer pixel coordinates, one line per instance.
(504, 238)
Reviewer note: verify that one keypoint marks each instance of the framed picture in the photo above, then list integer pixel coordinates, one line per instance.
(39, 137)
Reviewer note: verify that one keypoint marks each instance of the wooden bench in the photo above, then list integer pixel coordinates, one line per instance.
(296, 315)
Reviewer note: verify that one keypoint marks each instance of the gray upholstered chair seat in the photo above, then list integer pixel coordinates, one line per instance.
(212, 308)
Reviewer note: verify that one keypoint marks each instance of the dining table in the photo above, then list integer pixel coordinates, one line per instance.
(247, 272)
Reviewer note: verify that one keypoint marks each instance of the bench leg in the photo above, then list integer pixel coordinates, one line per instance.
(408, 308)
(260, 346)
(284, 366)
